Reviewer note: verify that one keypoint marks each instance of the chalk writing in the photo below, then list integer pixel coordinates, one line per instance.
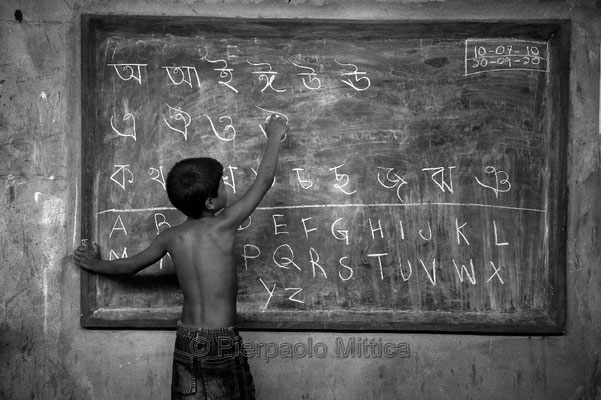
(305, 221)
(157, 176)
(176, 114)
(305, 183)
(230, 49)
(471, 277)
(160, 221)
(229, 179)
(384, 262)
(340, 234)
(267, 75)
(142, 52)
(498, 54)
(438, 177)
(130, 132)
(358, 77)
(342, 178)
(297, 291)
(124, 170)
(246, 255)
(229, 127)
(428, 236)
(497, 243)
(345, 205)
(268, 291)
(501, 181)
(283, 261)
(183, 74)
(310, 79)
(379, 257)
(459, 232)
(118, 226)
(277, 225)
(129, 71)
(113, 255)
(348, 270)
(224, 73)
(495, 273)
(314, 256)
(376, 229)
(246, 224)
(405, 278)
(431, 276)
(392, 181)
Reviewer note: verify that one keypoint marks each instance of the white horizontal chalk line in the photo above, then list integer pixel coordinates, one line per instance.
(308, 206)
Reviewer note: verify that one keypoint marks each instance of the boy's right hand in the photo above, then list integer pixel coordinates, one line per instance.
(87, 258)
(276, 125)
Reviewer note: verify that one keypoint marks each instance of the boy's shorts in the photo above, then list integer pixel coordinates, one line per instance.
(210, 364)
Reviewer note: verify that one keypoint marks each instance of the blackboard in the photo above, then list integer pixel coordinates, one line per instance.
(422, 186)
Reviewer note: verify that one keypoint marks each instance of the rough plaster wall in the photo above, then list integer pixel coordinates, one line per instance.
(44, 354)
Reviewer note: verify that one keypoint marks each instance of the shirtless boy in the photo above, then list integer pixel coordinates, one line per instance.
(208, 359)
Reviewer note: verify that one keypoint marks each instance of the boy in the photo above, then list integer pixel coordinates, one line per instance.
(208, 361)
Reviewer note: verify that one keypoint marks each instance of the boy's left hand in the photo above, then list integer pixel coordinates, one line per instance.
(87, 258)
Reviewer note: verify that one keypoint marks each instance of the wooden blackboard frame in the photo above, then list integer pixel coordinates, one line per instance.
(556, 32)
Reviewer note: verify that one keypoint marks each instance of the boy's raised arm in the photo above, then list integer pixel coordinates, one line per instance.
(89, 259)
(238, 211)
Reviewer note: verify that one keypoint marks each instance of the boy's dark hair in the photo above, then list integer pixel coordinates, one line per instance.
(191, 182)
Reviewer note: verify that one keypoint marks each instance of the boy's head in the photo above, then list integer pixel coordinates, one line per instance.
(191, 182)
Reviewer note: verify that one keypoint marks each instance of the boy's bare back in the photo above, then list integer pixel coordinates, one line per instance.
(202, 248)
(202, 254)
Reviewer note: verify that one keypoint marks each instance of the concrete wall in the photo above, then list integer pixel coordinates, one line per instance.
(44, 354)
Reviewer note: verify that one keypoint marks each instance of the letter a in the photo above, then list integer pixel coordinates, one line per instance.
(118, 221)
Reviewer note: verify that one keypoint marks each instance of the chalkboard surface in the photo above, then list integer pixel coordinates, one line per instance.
(422, 186)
